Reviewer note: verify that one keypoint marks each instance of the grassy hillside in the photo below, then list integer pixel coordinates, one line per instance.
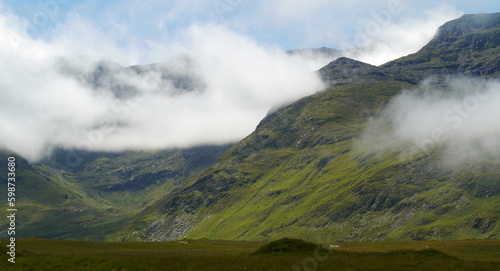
(302, 173)
(83, 200)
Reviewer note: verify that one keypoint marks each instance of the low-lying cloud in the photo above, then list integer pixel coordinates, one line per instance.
(71, 87)
(462, 118)
(214, 88)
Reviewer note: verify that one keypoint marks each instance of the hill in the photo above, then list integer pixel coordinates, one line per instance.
(303, 174)
(69, 199)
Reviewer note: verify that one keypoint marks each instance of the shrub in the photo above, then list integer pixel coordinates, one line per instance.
(285, 245)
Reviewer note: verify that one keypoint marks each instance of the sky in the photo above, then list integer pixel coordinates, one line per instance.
(235, 49)
(288, 24)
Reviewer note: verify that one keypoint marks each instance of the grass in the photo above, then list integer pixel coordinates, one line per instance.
(203, 254)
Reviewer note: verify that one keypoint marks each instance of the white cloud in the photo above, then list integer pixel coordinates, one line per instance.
(43, 108)
(382, 40)
(463, 119)
(379, 31)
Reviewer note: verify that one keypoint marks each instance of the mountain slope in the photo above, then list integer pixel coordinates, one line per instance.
(47, 201)
(302, 173)
(65, 200)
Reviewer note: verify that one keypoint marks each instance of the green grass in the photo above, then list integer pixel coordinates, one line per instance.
(53, 255)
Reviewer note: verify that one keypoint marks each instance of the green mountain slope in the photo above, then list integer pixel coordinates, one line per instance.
(302, 173)
(61, 199)
(47, 201)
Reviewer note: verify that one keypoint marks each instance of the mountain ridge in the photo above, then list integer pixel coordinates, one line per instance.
(456, 49)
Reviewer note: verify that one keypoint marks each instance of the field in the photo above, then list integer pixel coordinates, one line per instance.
(39, 254)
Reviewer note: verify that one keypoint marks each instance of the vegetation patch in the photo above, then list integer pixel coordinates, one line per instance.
(427, 253)
(286, 245)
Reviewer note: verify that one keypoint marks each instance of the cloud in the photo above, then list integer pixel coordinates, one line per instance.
(215, 88)
(462, 119)
(226, 58)
(391, 28)
(292, 24)
(381, 38)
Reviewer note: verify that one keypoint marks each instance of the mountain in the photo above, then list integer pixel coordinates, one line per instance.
(72, 192)
(302, 174)
(316, 57)
(87, 195)
(77, 194)
(468, 45)
(67, 198)
(175, 76)
(323, 52)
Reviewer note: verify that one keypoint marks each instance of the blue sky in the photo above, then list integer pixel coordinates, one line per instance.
(288, 24)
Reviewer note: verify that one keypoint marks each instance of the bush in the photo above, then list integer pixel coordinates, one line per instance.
(285, 245)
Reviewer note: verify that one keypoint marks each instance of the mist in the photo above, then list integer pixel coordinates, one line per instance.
(213, 87)
(461, 118)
